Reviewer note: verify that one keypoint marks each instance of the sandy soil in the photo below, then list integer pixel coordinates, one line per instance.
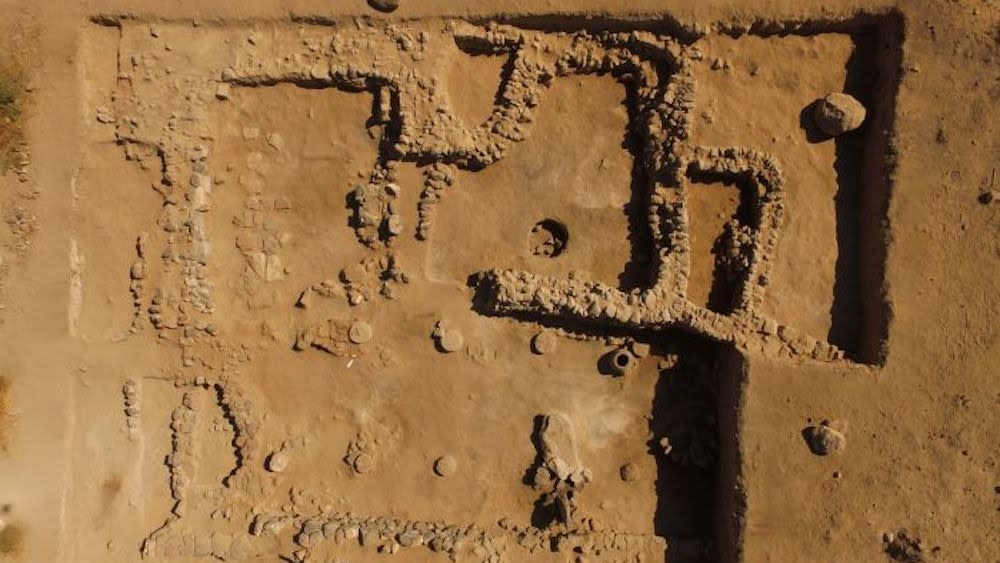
(577, 280)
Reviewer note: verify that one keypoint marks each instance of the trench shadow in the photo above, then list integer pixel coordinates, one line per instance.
(685, 492)
(856, 290)
(727, 285)
(639, 272)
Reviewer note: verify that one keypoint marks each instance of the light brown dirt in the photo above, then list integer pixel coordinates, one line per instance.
(5, 417)
(508, 281)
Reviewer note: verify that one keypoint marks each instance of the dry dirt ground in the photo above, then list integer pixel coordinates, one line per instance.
(559, 281)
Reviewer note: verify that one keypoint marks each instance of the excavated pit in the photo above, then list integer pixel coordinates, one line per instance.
(479, 289)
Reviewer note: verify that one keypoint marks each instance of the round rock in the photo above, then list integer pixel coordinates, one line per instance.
(360, 332)
(826, 440)
(384, 5)
(839, 113)
(451, 340)
(629, 472)
(395, 224)
(639, 349)
(544, 342)
(277, 462)
(353, 273)
(445, 466)
(364, 463)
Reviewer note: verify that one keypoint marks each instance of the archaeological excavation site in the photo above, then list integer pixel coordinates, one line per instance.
(567, 281)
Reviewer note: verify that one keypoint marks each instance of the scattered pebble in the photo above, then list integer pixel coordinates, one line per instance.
(839, 113)
(629, 472)
(825, 439)
(665, 446)
(639, 349)
(360, 332)
(451, 340)
(902, 547)
(544, 342)
(104, 115)
(395, 225)
(276, 141)
(668, 361)
(364, 463)
(277, 462)
(445, 465)
(353, 274)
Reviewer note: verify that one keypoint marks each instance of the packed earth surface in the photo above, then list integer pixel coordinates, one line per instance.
(562, 281)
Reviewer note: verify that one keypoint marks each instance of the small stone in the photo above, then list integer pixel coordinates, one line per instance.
(104, 115)
(360, 332)
(544, 342)
(395, 225)
(557, 439)
(364, 463)
(438, 329)
(271, 244)
(384, 5)
(411, 537)
(639, 349)
(839, 113)
(825, 439)
(542, 477)
(580, 476)
(560, 468)
(665, 446)
(138, 270)
(276, 141)
(445, 465)
(451, 340)
(353, 273)
(668, 361)
(223, 91)
(629, 472)
(904, 547)
(273, 270)
(277, 462)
